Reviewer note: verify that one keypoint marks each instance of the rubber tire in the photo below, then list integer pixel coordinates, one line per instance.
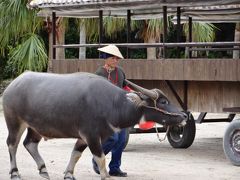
(232, 132)
(182, 137)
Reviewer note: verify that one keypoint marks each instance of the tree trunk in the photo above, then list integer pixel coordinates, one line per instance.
(151, 52)
(82, 40)
(50, 43)
(236, 38)
(60, 52)
(50, 55)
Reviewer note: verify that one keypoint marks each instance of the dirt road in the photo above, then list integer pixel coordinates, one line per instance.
(144, 159)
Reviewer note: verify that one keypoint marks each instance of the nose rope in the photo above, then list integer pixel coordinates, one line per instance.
(159, 139)
(158, 109)
(155, 100)
(163, 111)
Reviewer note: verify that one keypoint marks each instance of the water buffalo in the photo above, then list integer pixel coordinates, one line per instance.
(79, 105)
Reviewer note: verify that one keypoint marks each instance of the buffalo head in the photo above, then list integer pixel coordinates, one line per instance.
(157, 107)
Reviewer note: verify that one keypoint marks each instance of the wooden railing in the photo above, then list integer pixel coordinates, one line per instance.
(165, 69)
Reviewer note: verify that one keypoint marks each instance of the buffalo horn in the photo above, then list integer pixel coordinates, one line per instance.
(147, 92)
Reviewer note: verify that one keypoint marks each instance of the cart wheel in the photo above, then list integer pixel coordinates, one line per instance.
(231, 142)
(127, 137)
(182, 137)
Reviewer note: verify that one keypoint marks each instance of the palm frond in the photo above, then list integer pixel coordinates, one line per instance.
(113, 25)
(91, 27)
(16, 20)
(154, 28)
(29, 55)
(201, 32)
(149, 29)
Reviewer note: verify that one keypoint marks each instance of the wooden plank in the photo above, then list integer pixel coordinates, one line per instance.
(193, 96)
(179, 88)
(72, 66)
(63, 66)
(210, 97)
(128, 66)
(157, 70)
(231, 70)
(172, 70)
(94, 65)
(231, 94)
(195, 70)
(140, 69)
(55, 65)
(203, 96)
(81, 66)
(213, 96)
(167, 69)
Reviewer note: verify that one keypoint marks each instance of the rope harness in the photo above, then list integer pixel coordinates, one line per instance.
(158, 109)
(159, 139)
(162, 111)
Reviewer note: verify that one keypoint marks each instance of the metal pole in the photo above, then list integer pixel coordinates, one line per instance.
(165, 30)
(190, 34)
(169, 45)
(100, 28)
(178, 29)
(128, 31)
(53, 35)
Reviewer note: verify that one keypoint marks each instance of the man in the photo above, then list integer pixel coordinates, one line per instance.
(116, 142)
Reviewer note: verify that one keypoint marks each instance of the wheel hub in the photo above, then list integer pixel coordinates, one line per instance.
(236, 141)
(176, 133)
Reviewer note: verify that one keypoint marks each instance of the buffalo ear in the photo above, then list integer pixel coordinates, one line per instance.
(143, 96)
(138, 99)
(134, 98)
(143, 103)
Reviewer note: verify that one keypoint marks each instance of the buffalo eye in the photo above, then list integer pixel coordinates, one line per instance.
(164, 101)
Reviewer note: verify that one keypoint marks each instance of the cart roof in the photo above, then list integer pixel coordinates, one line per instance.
(199, 10)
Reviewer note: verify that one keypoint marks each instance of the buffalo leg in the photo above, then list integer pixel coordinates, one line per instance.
(31, 144)
(15, 131)
(98, 155)
(79, 147)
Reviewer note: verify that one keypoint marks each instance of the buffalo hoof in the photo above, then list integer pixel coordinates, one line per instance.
(44, 175)
(69, 176)
(15, 176)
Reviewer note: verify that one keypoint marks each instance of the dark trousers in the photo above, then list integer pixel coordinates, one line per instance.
(115, 144)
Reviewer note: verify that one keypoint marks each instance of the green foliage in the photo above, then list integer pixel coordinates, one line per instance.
(154, 28)
(6, 69)
(72, 37)
(113, 25)
(30, 54)
(92, 53)
(91, 26)
(18, 28)
(201, 32)
(15, 20)
(138, 54)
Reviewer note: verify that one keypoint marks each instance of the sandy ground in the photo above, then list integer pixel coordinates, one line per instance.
(145, 158)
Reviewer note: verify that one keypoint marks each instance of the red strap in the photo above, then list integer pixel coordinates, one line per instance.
(127, 88)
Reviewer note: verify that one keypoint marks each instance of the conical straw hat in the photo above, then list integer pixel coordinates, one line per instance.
(111, 49)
